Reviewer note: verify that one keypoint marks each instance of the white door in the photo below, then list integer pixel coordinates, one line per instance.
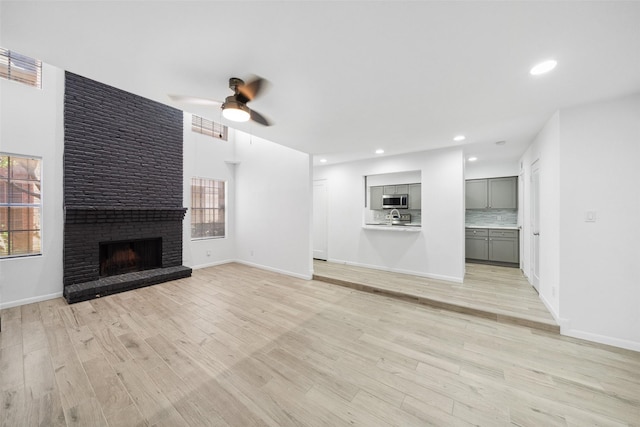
(320, 229)
(521, 224)
(535, 225)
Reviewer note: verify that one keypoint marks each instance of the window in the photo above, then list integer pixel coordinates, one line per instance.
(20, 68)
(20, 206)
(208, 127)
(207, 208)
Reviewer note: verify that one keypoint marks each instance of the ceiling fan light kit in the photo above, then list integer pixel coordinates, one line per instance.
(234, 110)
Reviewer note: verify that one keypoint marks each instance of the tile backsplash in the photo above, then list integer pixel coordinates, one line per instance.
(507, 217)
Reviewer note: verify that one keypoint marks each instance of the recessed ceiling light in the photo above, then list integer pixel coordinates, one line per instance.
(543, 67)
(472, 159)
(459, 138)
(323, 160)
(379, 151)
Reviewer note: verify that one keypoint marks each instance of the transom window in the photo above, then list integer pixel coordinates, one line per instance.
(20, 206)
(20, 68)
(208, 127)
(207, 208)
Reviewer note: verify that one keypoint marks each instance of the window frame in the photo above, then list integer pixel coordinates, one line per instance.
(208, 211)
(20, 68)
(208, 127)
(9, 205)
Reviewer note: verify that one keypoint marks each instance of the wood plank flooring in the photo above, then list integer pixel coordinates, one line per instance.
(499, 293)
(237, 346)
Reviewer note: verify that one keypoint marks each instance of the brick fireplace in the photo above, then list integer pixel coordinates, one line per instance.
(122, 191)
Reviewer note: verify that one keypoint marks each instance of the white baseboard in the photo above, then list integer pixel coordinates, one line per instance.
(31, 300)
(276, 270)
(399, 270)
(602, 339)
(546, 303)
(212, 264)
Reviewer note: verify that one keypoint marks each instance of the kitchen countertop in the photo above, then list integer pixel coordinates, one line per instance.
(386, 227)
(494, 226)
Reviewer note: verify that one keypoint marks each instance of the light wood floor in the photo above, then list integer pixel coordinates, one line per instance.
(238, 346)
(502, 294)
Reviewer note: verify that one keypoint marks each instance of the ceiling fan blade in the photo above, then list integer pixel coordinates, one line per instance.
(195, 100)
(252, 88)
(259, 118)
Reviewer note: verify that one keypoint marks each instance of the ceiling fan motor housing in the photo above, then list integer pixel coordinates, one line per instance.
(234, 82)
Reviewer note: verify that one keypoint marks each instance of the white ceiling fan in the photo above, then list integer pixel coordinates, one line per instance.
(235, 106)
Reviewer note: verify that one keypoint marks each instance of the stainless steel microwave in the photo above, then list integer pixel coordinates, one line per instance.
(395, 201)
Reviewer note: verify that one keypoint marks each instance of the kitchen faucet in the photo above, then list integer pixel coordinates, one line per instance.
(394, 214)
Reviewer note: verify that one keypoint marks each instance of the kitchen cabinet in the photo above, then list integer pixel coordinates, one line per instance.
(492, 193)
(415, 196)
(396, 189)
(476, 192)
(492, 245)
(477, 244)
(413, 190)
(504, 246)
(375, 199)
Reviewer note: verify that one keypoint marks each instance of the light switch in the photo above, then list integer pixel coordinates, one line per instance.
(590, 216)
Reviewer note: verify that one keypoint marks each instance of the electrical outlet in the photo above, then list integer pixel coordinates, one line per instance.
(251, 252)
(499, 217)
(208, 253)
(590, 216)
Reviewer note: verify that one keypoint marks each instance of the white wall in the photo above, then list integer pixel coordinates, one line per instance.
(588, 270)
(545, 150)
(437, 251)
(599, 154)
(32, 126)
(273, 206)
(207, 157)
(490, 169)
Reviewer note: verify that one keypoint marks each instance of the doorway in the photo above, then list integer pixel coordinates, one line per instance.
(320, 220)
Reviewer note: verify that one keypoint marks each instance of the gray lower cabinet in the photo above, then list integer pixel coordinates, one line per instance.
(504, 246)
(477, 244)
(497, 245)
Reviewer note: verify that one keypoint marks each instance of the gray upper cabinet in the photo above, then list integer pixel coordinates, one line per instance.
(413, 190)
(492, 193)
(415, 196)
(503, 193)
(396, 189)
(375, 199)
(476, 194)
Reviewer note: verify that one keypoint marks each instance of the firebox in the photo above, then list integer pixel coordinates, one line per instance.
(128, 256)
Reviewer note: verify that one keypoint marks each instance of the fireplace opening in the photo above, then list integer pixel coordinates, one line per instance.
(129, 256)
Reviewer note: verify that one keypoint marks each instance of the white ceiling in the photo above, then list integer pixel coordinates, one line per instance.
(350, 77)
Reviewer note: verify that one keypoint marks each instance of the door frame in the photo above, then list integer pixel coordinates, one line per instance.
(535, 225)
(320, 244)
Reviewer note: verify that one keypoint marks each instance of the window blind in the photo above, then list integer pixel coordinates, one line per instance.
(20, 68)
(208, 127)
